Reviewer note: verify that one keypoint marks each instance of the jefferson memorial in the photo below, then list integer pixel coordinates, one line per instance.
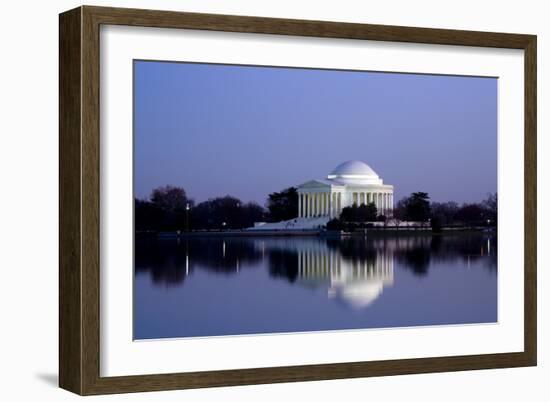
(352, 182)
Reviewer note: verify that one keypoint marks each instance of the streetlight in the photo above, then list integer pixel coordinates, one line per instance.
(223, 225)
(187, 208)
(238, 217)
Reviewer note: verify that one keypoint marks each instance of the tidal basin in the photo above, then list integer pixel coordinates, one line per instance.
(225, 285)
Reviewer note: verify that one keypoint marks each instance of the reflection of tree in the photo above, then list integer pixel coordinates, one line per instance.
(169, 261)
(283, 263)
(356, 249)
(419, 252)
(165, 261)
(416, 258)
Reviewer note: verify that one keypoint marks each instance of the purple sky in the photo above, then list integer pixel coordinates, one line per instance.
(248, 131)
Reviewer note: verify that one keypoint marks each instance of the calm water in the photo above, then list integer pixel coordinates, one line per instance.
(229, 285)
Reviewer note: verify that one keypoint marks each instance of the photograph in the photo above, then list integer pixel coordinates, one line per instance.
(271, 200)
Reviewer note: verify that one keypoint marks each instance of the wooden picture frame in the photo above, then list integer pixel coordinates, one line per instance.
(79, 312)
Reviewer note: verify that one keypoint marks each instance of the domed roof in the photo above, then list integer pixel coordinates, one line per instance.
(355, 168)
(354, 172)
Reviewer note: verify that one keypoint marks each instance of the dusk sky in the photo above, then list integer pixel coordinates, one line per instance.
(249, 131)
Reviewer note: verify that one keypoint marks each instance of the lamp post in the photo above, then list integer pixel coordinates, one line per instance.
(187, 208)
(238, 217)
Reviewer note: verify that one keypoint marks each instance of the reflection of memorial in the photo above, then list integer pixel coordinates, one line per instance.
(356, 281)
(352, 269)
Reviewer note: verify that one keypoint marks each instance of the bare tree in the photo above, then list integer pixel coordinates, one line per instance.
(399, 212)
(170, 198)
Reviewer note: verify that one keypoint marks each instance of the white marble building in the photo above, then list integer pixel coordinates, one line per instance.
(352, 182)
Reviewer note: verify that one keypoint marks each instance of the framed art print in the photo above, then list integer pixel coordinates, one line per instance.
(252, 200)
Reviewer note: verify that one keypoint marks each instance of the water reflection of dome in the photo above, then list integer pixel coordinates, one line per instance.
(358, 295)
(357, 283)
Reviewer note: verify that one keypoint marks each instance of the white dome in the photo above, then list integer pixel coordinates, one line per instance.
(354, 172)
(356, 168)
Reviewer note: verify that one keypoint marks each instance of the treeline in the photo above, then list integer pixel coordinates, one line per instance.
(484, 213)
(418, 208)
(170, 209)
(473, 214)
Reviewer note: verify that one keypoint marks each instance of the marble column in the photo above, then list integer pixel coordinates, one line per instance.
(316, 208)
(316, 204)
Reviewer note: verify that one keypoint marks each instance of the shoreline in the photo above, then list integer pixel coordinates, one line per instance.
(316, 232)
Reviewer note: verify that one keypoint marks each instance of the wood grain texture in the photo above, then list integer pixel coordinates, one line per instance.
(80, 199)
(70, 273)
(530, 201)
